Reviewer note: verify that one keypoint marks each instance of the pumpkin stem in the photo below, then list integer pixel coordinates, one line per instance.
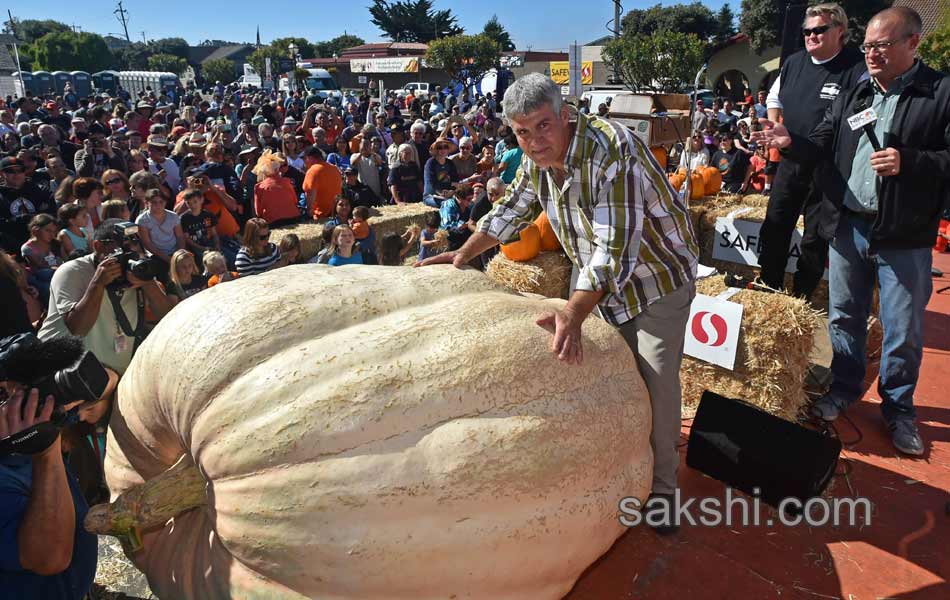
(150, 504)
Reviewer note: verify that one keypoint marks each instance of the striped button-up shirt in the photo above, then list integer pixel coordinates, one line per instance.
(621, 224)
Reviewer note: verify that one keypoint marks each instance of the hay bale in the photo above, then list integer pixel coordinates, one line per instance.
(384, 220)
(396, 219)
(309, 232)
(548, 274)
(772, 358)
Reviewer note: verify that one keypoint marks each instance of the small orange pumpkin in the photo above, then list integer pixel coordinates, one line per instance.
(677, 180)
(659, 152)
(713, 180)
(526, 248)
(549, 239)
(699, 185)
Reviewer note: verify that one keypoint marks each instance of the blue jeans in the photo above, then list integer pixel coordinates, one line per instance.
(432, 200)
(905, 284)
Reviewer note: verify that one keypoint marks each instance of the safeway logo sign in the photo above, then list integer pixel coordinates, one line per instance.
(709, 329)
(712, 332)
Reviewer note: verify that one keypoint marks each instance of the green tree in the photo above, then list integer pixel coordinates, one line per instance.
(304, 48)
(336, 46)
(693, 18)
(259, 56)
(29, 30)
(725, 24)
(68, 51)
(496, 31)
(167, 62)
(763, 20)
(132, 58)
(466, 58)
(665, 61)
(175, 46)
(218, 69)
(935, 47)
(413, 20)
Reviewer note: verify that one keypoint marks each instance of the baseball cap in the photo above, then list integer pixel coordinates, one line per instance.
(11, 162)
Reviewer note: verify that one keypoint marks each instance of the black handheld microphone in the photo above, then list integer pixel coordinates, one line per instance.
(865, 119)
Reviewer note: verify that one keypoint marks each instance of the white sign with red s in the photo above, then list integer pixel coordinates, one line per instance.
(712, 331)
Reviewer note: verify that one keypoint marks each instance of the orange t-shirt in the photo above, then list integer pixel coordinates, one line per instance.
(328, 182)
(275, 199)
(227, 225)
(360, 229)
(216, 279)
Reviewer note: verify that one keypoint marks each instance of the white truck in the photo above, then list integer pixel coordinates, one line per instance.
(319, 80)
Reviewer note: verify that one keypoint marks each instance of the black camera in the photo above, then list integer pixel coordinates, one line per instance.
(60, 368)
(130, 256)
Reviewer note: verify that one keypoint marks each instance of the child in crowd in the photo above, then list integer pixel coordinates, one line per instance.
(359, 223)
(428, 240)
(198, 225)
(217, 268)
(344, 250)
(116, 209)
(290, 247)
(72, 237)
(757, 175)
(394, 247)
(186, 280)
(39, 254)
(324, 254)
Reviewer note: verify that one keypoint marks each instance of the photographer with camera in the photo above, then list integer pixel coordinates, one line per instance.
(44, 388)
(102, 296)
(97, 154)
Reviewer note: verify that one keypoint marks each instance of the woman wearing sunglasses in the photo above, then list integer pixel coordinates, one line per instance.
(116, 186)
(258, 254)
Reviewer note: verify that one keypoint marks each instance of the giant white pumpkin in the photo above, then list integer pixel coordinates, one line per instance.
(377, 432)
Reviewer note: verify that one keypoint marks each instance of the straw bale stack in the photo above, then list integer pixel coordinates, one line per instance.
(772, 358)
(384, 220)
(548, 274)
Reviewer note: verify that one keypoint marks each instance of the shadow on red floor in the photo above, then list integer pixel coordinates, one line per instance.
(903, 553)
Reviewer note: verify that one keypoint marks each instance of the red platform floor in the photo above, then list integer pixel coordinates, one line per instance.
(903, 553)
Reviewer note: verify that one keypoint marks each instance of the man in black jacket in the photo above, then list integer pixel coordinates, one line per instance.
(880, 213)
(809, 82)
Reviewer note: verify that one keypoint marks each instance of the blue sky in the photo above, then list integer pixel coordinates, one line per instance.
(544, 25)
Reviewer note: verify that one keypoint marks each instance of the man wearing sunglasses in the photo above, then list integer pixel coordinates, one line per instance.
(809, 82)
(20, 201)
(880, 212)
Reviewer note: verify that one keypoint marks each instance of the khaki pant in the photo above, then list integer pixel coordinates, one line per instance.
(656, 337)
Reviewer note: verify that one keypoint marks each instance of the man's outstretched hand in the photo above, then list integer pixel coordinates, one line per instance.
(566, 342)
(452, 257)
(772, 135)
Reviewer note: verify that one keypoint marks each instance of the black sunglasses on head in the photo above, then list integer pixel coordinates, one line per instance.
(816, 30)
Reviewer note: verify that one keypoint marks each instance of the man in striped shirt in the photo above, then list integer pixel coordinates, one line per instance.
(624, 228)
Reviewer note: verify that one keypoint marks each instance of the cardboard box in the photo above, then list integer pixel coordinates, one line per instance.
(657, 119)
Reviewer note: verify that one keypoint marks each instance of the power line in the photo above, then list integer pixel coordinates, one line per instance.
(121, 15)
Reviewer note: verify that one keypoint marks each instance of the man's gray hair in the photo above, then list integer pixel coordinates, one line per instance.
(417, 126)
(529, 93)
(834, 13)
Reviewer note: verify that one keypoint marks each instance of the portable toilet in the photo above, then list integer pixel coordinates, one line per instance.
(43, 80)
(82, 83)
(60, 79)
(28, 85)
(105, 81)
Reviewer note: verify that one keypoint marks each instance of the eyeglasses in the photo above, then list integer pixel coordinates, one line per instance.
(113, 181)
(815, 30)
(880, 46)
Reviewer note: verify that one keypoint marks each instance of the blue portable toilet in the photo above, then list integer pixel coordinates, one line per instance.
(60, 79)
(82, 83)
(28, 85)
(105, 81)
(43, 80)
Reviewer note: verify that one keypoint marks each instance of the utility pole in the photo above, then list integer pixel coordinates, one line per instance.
(144, 41)
(121, 15)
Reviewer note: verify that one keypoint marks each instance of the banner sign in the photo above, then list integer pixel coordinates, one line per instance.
(391, 64)
(511, 62)
(712, 331)
(738, 241)
(561, 72)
